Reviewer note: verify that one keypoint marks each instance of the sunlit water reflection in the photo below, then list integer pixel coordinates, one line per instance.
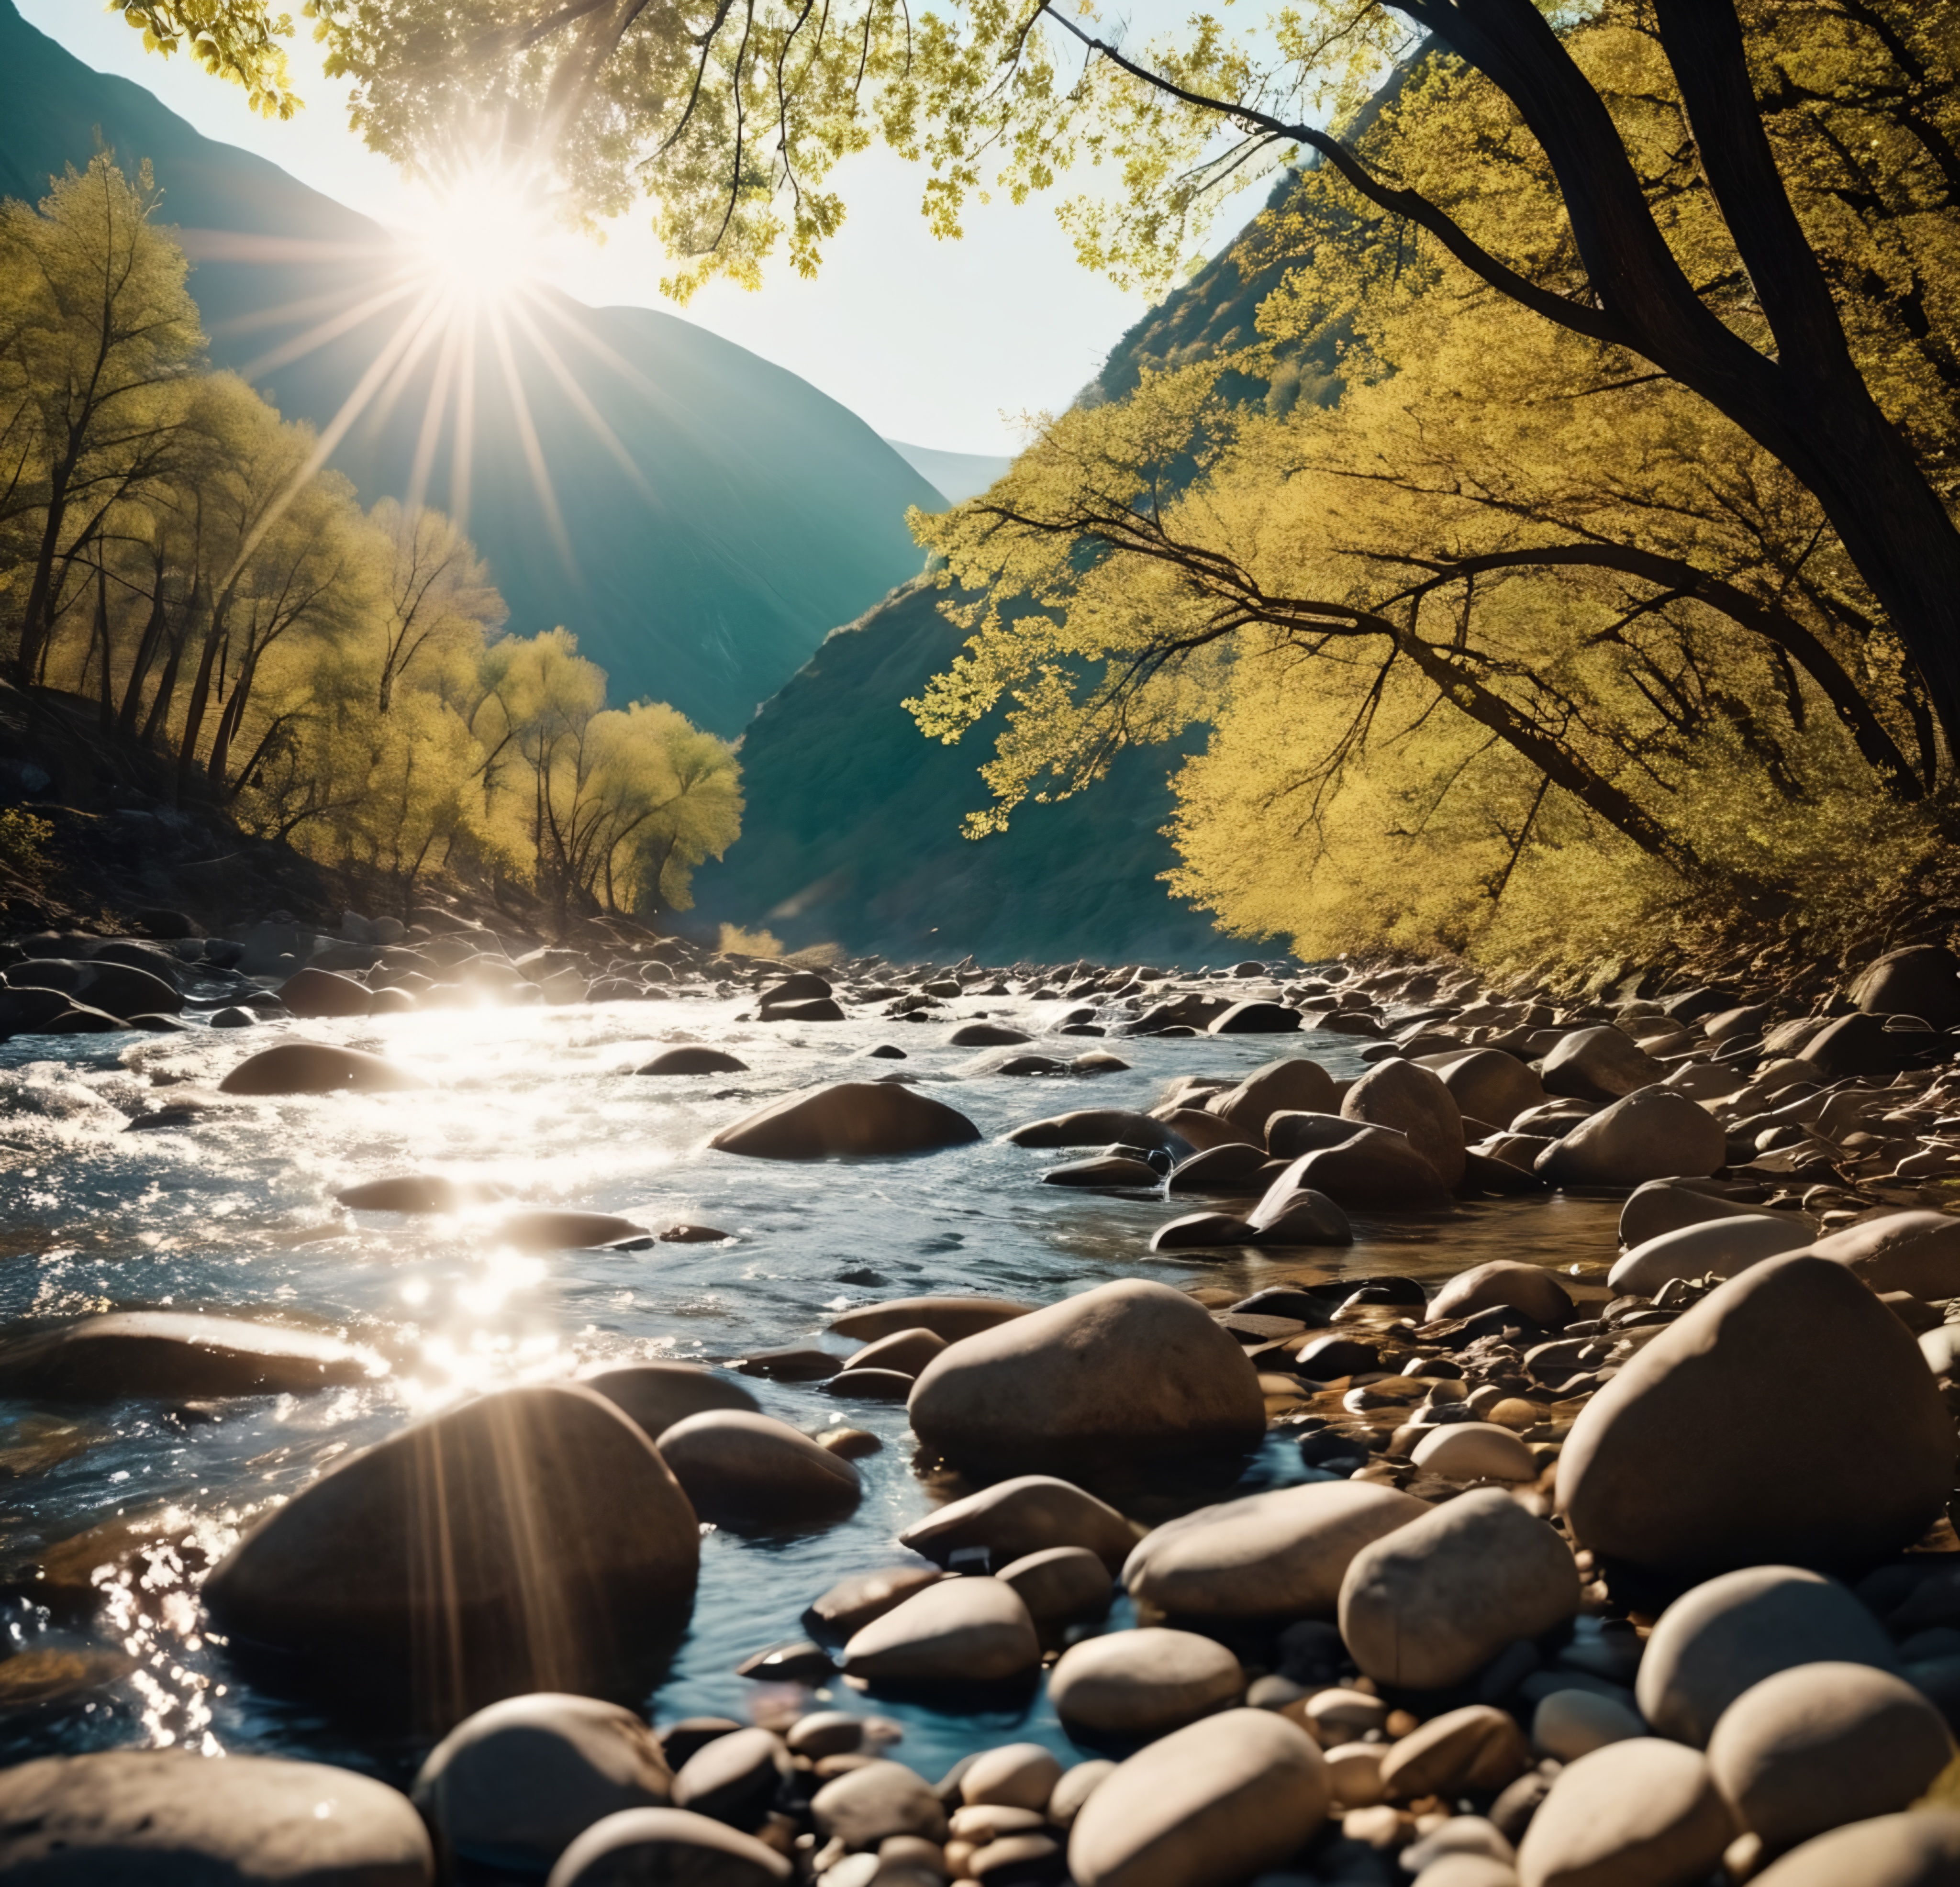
(236, 1212)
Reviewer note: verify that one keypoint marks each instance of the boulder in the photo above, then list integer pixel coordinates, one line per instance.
(1487, 1084)
(1696, 1456)
(419, 1193)
(1918, 1850)
(1426, 1606)
(1723, 1246)
(960, 1632)
(734, 1778)
(1282, 1554)
(512, 1786)
(1821, 1744)
(1639, 1813)
(311, 993)
(906, 1351)
(862, 1119)
(121, 990)
(1529, 1289)
(1414, 1102)
(987, 1035)
(1114, 1172)
(1200, 1231)
(1654, 1133)
(1922, 980)
(1475, 1451)
(569, 1555)
(1126, 1374)
(803, 985)
(640, 1845)
(1014, 1776)
(1292, 1133)
(693, 1060)
(1297, 1215)
(1013, 1518)
(554, 1229)
(656, 1395)
(745, 1470)
(1915, 1251)
(876, 1803)
(1230, 1170)
(1130, 1686)
(1278, 1087)
(177, 1353)
(1100, 1126)
(1861, 1045)
(1375, 1167)
(1060, 1585)
(165, 1815)
(855, 1602)
(949, 1318)
(316, 1067)
(811, 1009)
(1475, 1748)
(1219, 1800)
(1571, 1723)
(1603, 1064)
(1253, 1018)
(1726, 1635)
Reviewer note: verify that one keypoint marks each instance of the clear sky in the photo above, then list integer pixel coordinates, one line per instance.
(944, 345)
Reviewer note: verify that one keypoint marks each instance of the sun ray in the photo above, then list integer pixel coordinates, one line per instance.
(316, 337)
(423, 466)
(582, 403)
(527, 432)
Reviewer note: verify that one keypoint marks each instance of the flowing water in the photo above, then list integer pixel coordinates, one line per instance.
(236, 1212)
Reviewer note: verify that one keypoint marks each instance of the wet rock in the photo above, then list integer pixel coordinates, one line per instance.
(1298, 1215)
(1217, 1801)
(803, 985)
(793, 1661)
(1429, 1604)
(1487, 1084)
(987, 1035)
(1475, 1451)
(1129, 1373)
(316, 1067)
(1666, 1205)
(1728, 1634)
(870, 1386)
(1131, 1685)
(1278, 1554)
(694, 1235)
(692, 1060)
(1014, 1776)
(1723, 1246)
(741, 1469)
(513, 1786)
(1013, 1518)
(1060, 1585)
(794, 1363)
(1414, 1102)
(166, 1815)
(960, 1632)
(862, 1119)
(176, 1353)
(1098, 1127)
(1652, 1133)
(1696, 1456)
(1918, 1850)
(325, 993)
(1603, 1064)
(734, 1779)
(1252, 1018)
(656, 1395)
(121, 990)
(1280, 1086)
(1815, 1747)
(1634, 1814)
(33, 1012)
(1530, 1289)
(417, 1193)
(853, 1603)
(1922, 980)
(1375, 1167)
(813, 1009)
(947, 1318)
(1328, 1358)
(1112, 1173)
(570, 1551)
(1915, 1251)
(1227, 1170)
(1289, 1135)
(907, 1351)
(640, 1845)
(1201, 1231)
(1476, 1748)
(876, 1803)
(1571, 1723)
(552, 1228)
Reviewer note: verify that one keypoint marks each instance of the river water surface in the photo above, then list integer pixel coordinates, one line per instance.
(235, 1213)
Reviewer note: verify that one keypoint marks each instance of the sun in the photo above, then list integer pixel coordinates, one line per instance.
(482, 235)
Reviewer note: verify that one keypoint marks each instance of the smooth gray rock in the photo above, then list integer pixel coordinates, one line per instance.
(1724, 1246)
(1414, 1102)
(1012, 1519)
(1601, 1064)
(640, 1846)
(848, 1120)
(961, 1631)
(742, 1469)
(1145, 1682)
(1652, 1133)
(1919, 1849)
(1640, 1813)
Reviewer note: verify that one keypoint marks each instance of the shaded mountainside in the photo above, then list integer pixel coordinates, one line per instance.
(853, 833)
(758, 514)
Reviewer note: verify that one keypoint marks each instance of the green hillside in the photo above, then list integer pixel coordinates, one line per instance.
(764, 513)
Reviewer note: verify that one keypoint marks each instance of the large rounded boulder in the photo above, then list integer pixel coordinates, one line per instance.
(176, 1353)
(1414, 1102)
(1721, 1247)
(1487, 1084)
(317, 1067)
(1915, 1251)
(532, 1540)
(1279, 1087)
(1655, 1133)
(1127, 1373)
(1703, 1453)
(1601, 1064)
(1922, 980)
(848, 1120)
(743, 1469)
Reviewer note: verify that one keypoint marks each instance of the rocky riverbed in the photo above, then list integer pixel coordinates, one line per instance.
(631, 1413)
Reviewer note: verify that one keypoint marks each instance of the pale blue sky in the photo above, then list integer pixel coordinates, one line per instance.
(943, 345)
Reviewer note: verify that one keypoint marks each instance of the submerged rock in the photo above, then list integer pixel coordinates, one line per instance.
(532, 1540)
(176, 1353)
(862, 1119)
(949, 1318)
(317, 1067)
(656, 1395)
(692, 1060)
(419, 1192)
(552, 1229)
(1126, 1374)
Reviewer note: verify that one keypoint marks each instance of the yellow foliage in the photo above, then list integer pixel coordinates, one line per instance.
(737, 942)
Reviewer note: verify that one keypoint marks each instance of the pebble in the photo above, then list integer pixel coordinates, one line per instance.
(1475, 1748)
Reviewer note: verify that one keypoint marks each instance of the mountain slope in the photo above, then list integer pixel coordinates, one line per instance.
(853, 833)
(959, 475)
(757, 514)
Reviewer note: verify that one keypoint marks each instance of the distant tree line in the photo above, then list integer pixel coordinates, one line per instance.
(170, 552)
